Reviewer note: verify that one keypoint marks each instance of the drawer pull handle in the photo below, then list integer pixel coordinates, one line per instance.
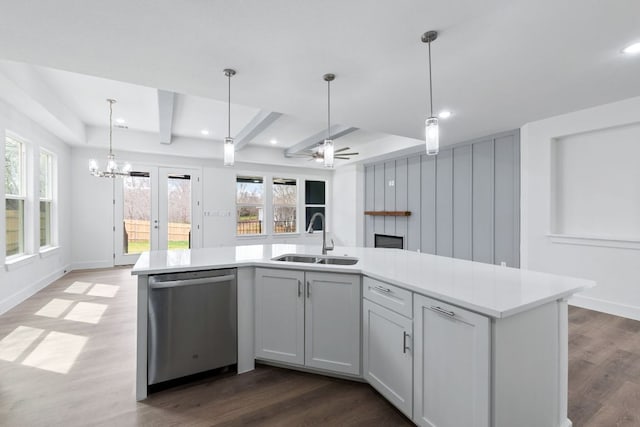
(299, 288)
(381, 289)
(405, 335)
(308, 289)
(441, 310)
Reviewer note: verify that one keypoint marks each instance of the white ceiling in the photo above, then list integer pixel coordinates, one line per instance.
(137, 107)
(497, 64)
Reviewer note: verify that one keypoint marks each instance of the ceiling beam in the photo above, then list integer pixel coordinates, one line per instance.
(166, 101)
(336, 131)
(259, 123)
(22, 86)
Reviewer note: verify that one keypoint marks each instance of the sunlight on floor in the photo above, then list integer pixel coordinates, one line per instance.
(87, 312)
(14, 344)
(78, 288)
(57, 352)
(54, 308)
(102, 290)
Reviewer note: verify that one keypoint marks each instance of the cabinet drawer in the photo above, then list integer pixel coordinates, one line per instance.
(389, 296)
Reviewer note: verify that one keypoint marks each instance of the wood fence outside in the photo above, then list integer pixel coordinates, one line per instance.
(139, 230)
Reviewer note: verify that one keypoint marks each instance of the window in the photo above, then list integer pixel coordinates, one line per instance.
(249, 205)
(285, 205)
(46, 197)
(314, 200)
(14, 186)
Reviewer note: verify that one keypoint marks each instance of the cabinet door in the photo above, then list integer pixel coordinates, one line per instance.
(451, 364)
(332, 323)
(280, 315)
(387, 354)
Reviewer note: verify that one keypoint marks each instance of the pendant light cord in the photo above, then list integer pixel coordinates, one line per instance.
(328, 109)
(229, 107)
(430, 83)
(110, 127)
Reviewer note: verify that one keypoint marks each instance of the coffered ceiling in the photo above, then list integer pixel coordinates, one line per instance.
(497, 64)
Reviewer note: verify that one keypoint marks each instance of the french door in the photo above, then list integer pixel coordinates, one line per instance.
(156, 208)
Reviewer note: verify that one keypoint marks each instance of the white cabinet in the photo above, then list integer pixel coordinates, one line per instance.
(451, 365)
(387, 354)
(310, 319)
(279, 315)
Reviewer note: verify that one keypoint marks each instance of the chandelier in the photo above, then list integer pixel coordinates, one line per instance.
(112, 170)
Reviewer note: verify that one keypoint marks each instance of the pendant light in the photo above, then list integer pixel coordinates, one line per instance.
(431, 129)
(327, 148)
(112, 169)
(229, 146)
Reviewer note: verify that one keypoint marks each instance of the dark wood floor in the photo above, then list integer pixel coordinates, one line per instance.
(69, 359)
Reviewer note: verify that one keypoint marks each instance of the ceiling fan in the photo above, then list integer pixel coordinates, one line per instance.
(317, 153)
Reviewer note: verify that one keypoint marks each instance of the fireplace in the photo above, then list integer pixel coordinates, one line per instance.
(387, 241)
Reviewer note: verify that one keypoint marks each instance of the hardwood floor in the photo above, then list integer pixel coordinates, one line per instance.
(67, 357)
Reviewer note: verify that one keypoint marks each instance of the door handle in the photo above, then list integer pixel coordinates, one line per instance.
(308, 289)
(405, 335)
(299, 288)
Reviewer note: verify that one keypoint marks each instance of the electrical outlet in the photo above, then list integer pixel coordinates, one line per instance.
(392, 183)
(503, 264)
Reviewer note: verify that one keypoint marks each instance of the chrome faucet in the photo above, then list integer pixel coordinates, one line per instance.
(325, 248)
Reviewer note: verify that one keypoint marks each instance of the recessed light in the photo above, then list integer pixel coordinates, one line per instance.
(444, 114)
(120, 121)
(205, 132)
(632, 48)
(273, 141)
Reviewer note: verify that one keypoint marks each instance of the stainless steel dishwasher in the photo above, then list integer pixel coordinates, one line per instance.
(192, 323)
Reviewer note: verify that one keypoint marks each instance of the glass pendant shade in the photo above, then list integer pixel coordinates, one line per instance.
(328, 153)
(432, 137)
(93, 166)
(229, 152)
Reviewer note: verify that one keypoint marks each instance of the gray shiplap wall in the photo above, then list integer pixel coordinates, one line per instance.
(464, 202)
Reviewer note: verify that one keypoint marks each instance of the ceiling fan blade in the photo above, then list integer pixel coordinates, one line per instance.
(342, 158)
(341, 150)
(348, 154)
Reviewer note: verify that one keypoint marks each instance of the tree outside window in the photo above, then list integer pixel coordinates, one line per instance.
(285, 205)
(249, 205)
(14, 160)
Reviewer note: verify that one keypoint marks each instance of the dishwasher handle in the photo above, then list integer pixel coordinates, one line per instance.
(190, 282)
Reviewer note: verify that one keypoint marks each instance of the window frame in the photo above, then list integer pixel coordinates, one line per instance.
(295, 205)
(262, 206)
(49, 198)
(22, 195)
(315, 205)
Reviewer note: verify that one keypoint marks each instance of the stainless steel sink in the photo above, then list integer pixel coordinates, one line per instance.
(338, 261)
(316, 259)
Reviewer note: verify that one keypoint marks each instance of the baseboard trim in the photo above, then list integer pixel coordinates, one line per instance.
(15, 299)
(609, 307)
(90, 265)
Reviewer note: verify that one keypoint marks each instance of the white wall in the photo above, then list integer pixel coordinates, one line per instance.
(578, 243)
(19, 282)
(347, 211)
(93, 210)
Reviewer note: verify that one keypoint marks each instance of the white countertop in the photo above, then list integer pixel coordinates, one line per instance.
(484, 288)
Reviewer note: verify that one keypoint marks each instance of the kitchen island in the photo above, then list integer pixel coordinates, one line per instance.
(477, 344)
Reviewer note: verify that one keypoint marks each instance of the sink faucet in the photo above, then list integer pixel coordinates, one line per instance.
(325, 248)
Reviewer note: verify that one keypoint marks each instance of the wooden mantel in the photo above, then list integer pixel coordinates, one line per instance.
(387, 213)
